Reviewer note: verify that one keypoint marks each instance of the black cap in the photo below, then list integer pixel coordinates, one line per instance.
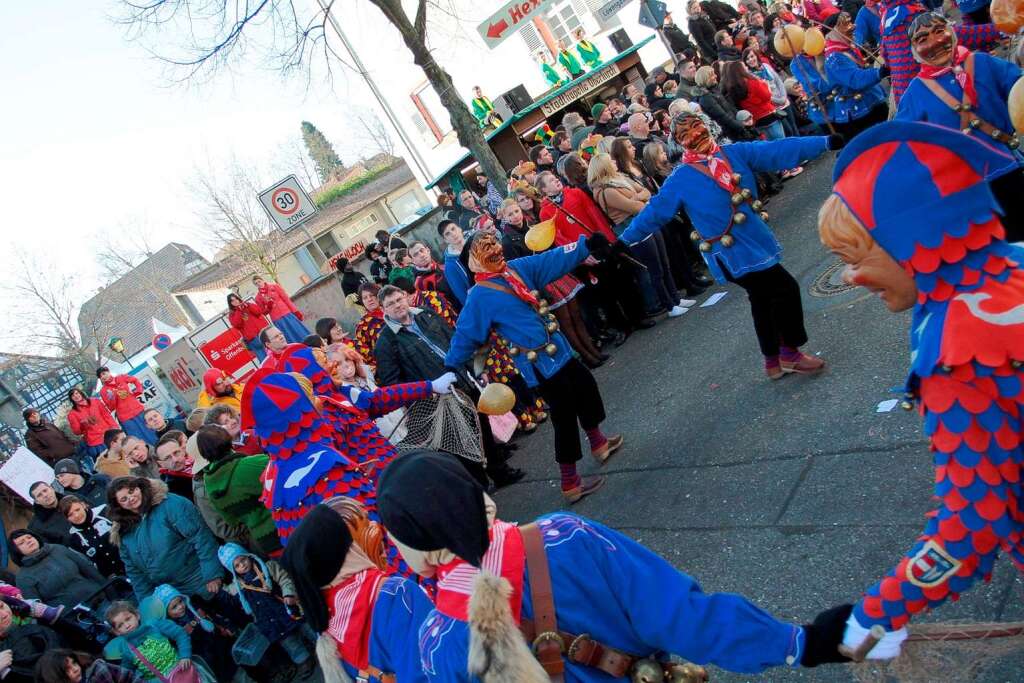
(66, 466)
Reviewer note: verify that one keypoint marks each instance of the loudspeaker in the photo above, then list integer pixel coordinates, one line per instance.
(515, 100)
(620, 40)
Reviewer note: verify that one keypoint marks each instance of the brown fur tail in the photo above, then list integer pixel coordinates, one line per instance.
(497, 650)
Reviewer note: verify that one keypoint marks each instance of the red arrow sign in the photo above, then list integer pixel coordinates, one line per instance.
(495, 30)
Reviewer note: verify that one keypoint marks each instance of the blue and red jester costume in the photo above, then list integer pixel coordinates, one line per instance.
(859, 98)
(717, 188)
(968, 92)
(896, 18)
(368, 621)
(351, 411)
(914, 219)
(596, 605)
(819, 91)
(505, 299)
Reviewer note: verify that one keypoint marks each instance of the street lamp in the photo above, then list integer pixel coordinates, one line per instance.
(116, 344)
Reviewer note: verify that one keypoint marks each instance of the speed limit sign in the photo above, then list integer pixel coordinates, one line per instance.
(287, 203)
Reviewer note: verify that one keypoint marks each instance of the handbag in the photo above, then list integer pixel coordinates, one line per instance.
(179, 674)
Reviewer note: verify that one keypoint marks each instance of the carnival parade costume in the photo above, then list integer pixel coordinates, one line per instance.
(367, 619)
(919, 191)
(618, 606)
(858, 96)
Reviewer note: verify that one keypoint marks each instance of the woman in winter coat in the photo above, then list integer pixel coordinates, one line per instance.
(162, 539)
(717, 106)
(22, 643)
(52, 573)
(275, 302)
(751, 93)
(90, 535)
(69, 666)
(47, 522)
(248, 319)
(89, 418)
(758, 66)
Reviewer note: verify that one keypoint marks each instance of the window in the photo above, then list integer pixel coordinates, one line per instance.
(405, 205)
(561, 18)
(433, 112)
(361, 225)
(328, 244)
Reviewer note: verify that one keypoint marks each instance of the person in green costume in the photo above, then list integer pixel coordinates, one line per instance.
(568, 60)
(589, 53)
(483, 110)
(551, 74)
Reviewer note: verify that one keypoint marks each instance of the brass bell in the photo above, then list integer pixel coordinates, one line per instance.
(996, 133)
(551, 349)
(975, 123)
(531, 355)
(1014, 142)
(737, 198)
(534, 293)
(756, 205)
(543, 310)
(705, 246)
(694, 236)
(736, 177)
(858, 97)
(764, 216)
(551, 316)
(513, 350)
(542, 303)
(647, 671)
(965, 131)
(1016, 364)
(906, 405)
(687, 672)
(727, 241)
(739, 218)
(747, 194)
(552, 327)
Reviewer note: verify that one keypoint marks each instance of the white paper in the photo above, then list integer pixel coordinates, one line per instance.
(887, 405)
(22, 470)
(713, 299)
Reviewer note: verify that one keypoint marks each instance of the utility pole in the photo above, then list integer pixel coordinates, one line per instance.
(418, 160)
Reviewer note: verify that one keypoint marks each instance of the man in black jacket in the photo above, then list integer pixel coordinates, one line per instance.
(46, 439)
(412, 347)
(92, 489)
(350, 277)
(721, 14)
(677, 39)
(703, 31)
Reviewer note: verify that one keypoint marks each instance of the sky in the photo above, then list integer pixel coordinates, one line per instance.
(97, 140)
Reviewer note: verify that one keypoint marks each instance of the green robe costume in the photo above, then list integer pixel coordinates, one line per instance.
(553, 77)
(571, 64)
(481, 108)
(589, 53)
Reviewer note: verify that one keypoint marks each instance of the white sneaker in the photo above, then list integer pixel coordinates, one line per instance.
(686, 303)
(677, 311)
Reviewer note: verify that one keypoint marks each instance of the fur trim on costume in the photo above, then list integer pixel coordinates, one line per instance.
(330, 664)
(497, 650)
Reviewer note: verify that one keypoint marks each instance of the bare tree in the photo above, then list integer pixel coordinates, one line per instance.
(234, 222)
(370, 132)
(121, 250)
(210, 32)
(291, 157)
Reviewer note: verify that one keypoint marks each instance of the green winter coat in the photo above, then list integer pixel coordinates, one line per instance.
(588, 53)
(481, 107)
(234, 488)
(571, 64)
(553, 77)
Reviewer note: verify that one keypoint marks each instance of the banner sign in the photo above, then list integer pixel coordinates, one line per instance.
(593, 82)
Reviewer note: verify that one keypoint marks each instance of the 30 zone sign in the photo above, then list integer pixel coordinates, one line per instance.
(287, 203)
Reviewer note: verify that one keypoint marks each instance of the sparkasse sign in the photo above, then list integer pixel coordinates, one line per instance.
(287, 203)
(509, 19)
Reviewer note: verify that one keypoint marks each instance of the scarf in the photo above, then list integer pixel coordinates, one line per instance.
(836, 42)
(963, 80)
(505, 557)
(514, 282)
(351, 610)
(719, 167)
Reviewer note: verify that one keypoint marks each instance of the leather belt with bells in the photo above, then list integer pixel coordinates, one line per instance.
(738, 195)
(547, 319)
(968, 119)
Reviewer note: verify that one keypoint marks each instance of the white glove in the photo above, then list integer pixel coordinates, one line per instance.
(443, 384)
(886, 648)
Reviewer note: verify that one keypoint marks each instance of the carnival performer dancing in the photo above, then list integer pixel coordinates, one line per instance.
(717, 188)
(367, 620)
(506, 300)
(916, 222)
(859, 98)
(967, 91)
(596, 605)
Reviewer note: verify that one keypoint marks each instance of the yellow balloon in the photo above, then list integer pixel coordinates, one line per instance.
(1007, 15)
(496, 399)
(1016, 105)
(788, 48)
(814, 42)
(539, 237)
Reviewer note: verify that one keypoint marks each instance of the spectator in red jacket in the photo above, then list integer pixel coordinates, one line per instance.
(121, 394)
(819, 10)
(247, 317)
(749, 92)
(89, 418)
(275, 302)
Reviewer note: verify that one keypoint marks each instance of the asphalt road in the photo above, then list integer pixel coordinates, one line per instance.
(795, 493)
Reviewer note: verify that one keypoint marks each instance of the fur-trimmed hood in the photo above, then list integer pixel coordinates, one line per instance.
(123, 521)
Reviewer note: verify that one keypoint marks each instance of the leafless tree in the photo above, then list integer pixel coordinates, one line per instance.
(210, 32)
(370, 133)
(291, 157)
(121, 249)
(233, 221)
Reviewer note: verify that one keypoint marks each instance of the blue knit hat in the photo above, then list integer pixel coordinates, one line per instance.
(227, 554)
(165, 593)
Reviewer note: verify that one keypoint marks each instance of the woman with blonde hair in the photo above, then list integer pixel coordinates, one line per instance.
(621, 198)
(347, 367)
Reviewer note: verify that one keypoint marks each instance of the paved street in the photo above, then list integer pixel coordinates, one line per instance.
(795, 493)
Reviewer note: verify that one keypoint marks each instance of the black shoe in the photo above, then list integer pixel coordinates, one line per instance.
(620, 338)
(507, 476)
(645, 324)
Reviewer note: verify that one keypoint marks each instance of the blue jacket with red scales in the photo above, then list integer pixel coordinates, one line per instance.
(920, 191)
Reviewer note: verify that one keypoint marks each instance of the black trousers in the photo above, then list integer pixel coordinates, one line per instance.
(776, 307)
(572, 396)
(849, 130)
(1009, 192)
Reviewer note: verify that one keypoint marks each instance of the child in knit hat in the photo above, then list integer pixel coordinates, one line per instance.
(212, 635)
